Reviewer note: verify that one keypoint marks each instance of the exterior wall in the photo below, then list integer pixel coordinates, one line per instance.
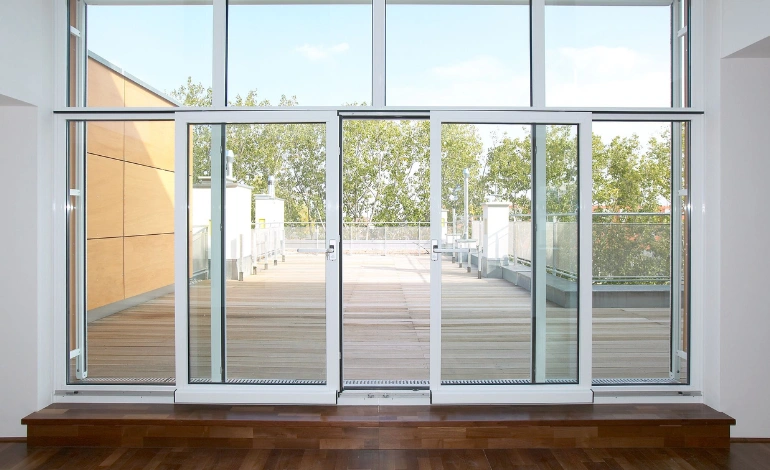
(129, 194)
(238, 241)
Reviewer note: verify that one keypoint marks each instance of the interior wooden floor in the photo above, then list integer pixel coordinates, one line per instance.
(740, 456)
(276, 328)
(389, 427)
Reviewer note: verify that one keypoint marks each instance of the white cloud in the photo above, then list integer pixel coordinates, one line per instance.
(607, 77)
(601, 60)
(484, 67)
(320, 52)
(478, 81)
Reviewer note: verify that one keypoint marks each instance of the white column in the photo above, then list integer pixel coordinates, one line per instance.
(495, 238)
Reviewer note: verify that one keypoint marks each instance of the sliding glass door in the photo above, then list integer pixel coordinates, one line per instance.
(260, 322)
(511, 292)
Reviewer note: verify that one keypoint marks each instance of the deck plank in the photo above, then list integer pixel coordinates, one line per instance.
(276, 328)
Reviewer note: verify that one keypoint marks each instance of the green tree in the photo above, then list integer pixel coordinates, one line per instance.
(461, 149)
(386, 175)
(295, 154)
(196, 95)
(508, 175)
(629, 177)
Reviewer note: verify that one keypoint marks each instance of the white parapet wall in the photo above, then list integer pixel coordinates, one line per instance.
(237, 236)
(269, 232)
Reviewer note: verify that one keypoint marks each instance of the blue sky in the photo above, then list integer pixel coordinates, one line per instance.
(436, 54)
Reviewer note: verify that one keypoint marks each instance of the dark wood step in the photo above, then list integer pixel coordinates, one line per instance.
(383, 427)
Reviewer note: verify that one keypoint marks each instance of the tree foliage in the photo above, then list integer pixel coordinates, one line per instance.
(386, 174)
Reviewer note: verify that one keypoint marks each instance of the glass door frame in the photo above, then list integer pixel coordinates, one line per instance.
(224, 393)
(529, 393)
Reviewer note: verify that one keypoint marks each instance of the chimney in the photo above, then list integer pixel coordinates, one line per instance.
(271, 186)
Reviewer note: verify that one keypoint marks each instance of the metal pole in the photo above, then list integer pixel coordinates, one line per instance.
(466, 174)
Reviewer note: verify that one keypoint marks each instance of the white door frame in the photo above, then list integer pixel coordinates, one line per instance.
(521, 394)
(187, 392)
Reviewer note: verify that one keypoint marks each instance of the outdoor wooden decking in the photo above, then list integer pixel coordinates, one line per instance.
(276, 328)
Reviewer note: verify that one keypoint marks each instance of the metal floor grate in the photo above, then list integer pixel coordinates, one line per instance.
(635, 381)
(261, 381)
(123, 380)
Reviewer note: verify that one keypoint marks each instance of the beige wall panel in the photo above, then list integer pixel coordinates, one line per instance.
(151, 143)
(105, 138)
(138, 96)
(105, 87)
(149, 201)
(149, 263)
(104, 197)
(104, 271)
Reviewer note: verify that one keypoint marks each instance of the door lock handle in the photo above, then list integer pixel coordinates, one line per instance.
(331, 252)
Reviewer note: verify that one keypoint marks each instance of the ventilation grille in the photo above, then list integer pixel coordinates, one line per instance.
(487, 382)
(369, 384)
(635, 381)
(261, 381)
(123, 380)
(505, 382)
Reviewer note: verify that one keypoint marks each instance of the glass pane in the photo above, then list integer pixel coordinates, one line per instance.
(75, 74)
(200, 255)
(684, 201)
(632, 252)
(308, 54)
(276, 316)
(129, 251)
(461, 55)
(610, 56)
(386, 242)
(561, 255)
(149, 55)
(681, 44)
(75, 250)
(272, 187)
(486, 303)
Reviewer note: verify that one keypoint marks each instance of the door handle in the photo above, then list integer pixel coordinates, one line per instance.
(436, 250)
(331, 252)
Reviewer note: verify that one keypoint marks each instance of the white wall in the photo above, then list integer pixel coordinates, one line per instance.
(237, 217)
(706, 83)
(745, 307)
(26, 144)
(18, 259)
(744, 23)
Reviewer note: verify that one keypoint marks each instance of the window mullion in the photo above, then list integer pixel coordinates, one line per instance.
(219, 69)
(378, 52)
(537, 53)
